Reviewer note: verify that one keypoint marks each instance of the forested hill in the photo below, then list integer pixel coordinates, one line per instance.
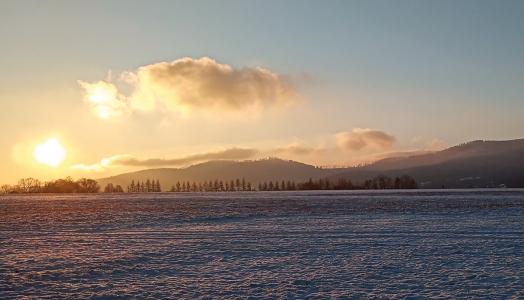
(252, 171)
(476, 164)
(469, 165)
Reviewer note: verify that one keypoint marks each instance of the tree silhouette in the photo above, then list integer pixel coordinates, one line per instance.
(88, 185)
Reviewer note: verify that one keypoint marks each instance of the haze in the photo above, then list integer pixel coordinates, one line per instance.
(106, 87)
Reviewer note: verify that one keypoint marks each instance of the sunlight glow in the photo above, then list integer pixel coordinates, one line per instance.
(104, 99)
(101, 95)
(50, 153)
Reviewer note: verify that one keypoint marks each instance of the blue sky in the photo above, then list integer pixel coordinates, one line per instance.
(418, 70)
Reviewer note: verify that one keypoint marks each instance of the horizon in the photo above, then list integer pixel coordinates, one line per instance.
(385, 157)
(343, 83)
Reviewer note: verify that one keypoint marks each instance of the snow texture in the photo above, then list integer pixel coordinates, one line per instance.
(395, 244)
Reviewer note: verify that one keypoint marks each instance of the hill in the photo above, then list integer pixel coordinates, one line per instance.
(469, 165)
(252, 171)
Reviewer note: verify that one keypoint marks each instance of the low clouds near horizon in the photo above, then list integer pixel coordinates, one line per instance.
(131, 161)
(294, 149)
(364, 138)
(188, 84)
(368, 140)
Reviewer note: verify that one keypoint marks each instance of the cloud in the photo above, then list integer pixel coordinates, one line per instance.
(188, 84)
(96, 167)
(104, 99)
(232, 153)
(436, 145)
(131, 161)
(297, 149)
(293, 149)
(360, 138)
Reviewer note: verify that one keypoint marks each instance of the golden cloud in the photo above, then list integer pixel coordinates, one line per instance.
(104, 99)
(188, 84)
(360, 138)
(132, 161)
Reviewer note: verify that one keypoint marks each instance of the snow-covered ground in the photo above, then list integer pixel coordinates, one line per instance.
(458, 244)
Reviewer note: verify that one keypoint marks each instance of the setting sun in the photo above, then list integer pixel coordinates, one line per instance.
(50, 153)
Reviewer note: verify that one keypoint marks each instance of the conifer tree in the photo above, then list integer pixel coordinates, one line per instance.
(153, 186)
(237, 184)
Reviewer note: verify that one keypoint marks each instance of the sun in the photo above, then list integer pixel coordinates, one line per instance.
(50, 153)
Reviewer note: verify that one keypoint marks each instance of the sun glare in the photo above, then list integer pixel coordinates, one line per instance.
(101, 95)
(104, 99)
(50, 153)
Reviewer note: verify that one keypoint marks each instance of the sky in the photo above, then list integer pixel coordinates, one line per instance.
(95, 88)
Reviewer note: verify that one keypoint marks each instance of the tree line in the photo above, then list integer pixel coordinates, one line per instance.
(66, 185)
(149, 186)
(212, 186)
(380, 182)
(86, 185)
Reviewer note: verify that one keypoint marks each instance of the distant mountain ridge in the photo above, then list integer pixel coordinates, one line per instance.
(475, 164)
(469, 165)
(252, 171)
(466, 150)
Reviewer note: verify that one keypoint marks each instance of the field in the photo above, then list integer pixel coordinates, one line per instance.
(393, 244)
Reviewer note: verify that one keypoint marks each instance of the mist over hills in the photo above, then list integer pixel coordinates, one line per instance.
(474, 164)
